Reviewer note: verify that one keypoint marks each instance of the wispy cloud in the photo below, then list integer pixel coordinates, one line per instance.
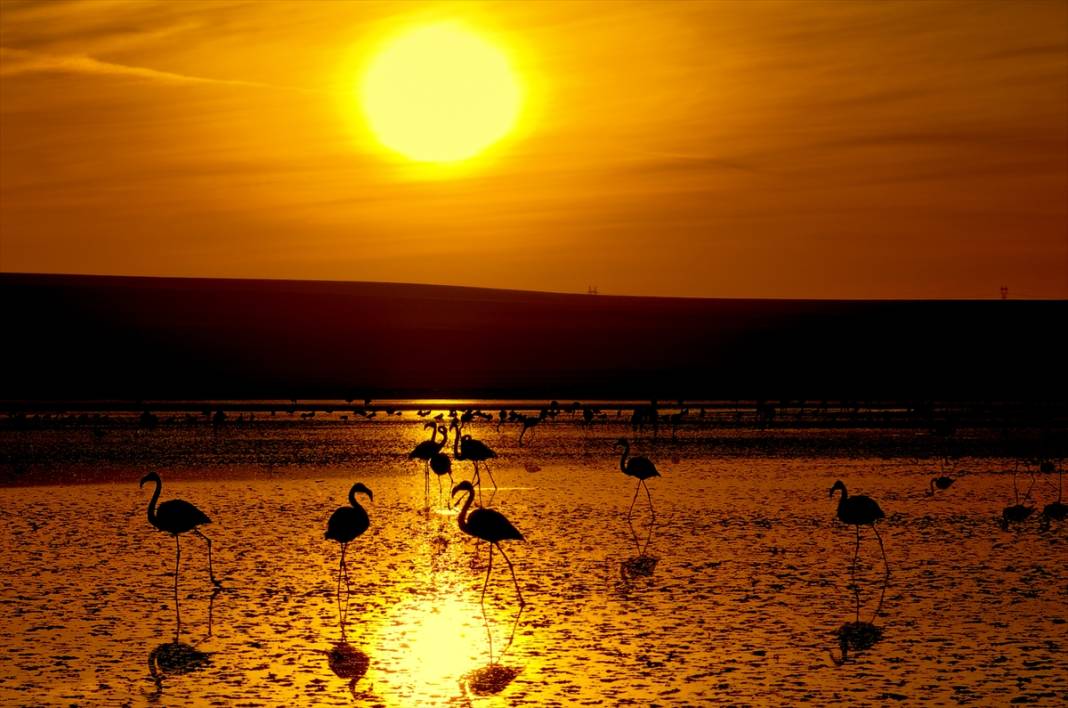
(15, 62)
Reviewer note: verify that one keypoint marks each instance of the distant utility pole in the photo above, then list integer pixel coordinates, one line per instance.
(591, 289)
(1004, 292)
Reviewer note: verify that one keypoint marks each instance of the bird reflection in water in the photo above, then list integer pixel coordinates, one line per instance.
(643, 564)
(858, 635)
(494, 677)
(346, 661)
(177, 658)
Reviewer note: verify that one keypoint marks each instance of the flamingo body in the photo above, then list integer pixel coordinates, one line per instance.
(349, 522)
(860, 510)
(474, 450)
(179, 516)
(638, 467)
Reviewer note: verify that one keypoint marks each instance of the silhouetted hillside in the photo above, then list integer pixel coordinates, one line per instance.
(77, 337)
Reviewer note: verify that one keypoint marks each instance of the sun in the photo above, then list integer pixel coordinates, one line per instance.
(440, 93)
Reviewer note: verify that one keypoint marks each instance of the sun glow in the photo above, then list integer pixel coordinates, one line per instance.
(440, 93)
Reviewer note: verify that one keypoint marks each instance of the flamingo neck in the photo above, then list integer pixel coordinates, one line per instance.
(931, 493)
(456, 443)
(462, 519)
(623, 457)
(352, 498)
(152, 503)
(845, 494)
(434, 434)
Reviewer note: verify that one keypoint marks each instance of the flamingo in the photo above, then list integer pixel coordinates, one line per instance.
(175, 517)
(528, 422)
(464, 447)
(427, 449)
(860, 511)
(942, 482)
(441, 465)
(490, 526)
(346, 524)
(641, 468)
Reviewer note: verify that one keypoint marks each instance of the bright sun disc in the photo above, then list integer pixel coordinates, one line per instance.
(440, 93)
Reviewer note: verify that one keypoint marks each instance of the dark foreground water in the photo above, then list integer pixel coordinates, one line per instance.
(733, 594)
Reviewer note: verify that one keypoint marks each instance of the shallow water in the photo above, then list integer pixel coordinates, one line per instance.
(743, 582)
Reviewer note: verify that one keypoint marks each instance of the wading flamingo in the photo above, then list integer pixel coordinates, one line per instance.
(490, 526)
(859, 511)
(641, 468)
(345, 525)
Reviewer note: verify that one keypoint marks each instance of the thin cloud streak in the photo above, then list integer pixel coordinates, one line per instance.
(16, 62)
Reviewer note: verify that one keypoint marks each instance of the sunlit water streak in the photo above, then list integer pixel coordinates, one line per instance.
(734, 596)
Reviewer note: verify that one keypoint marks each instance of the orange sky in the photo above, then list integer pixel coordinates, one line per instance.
(794, 149)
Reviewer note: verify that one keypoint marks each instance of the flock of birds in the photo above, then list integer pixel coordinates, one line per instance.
(348, 523)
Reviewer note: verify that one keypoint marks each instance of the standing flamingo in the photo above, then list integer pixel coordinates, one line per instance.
(345, 524)
(859, 511)
(441, 465)
(176, 517)
(424, 450)
(641, 468)
(464, 447)
(490, 526)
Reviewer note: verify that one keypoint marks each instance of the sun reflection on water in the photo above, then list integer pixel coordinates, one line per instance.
(439, 641)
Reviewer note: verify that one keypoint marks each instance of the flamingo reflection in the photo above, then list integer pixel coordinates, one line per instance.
(494, 677)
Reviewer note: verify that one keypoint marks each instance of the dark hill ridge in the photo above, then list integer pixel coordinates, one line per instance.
(88, 337)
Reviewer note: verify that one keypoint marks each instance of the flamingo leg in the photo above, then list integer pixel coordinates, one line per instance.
(519, 592)
(478, 483)
(490, 473)
(489, 568)
(881, 548)
(856, 553)
(177, 609)
(650, 497)
(637, 488)
(211, 572)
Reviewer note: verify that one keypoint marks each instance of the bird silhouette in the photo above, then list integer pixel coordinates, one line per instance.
(176, 517)
(464, 447)
(490, 526)
(426, 450)
(942, 482)
(441, 465)
(346, 524)
(859, 511)
(641, 468)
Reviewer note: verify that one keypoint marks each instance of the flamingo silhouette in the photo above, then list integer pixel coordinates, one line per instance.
(860, 511)
(441, 465)
(175, 517)
(464, 447)
(490, 526)
(426, 450)
(942, 482)
(641, 468)
(346, 524)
